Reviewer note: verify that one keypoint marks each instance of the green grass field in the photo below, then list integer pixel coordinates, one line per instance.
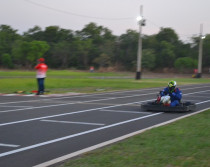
(82, 82)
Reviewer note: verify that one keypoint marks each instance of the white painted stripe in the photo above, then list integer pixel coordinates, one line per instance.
(109, 93)
(77, 112)
(8, 145)
(70, 113)
(16, 106)
(9, 95)
(88, 95)
(57, 105)
(199, 96)
(190, 100)
(132, 112)
(203, 102)
(71, 155)
(29, 95)
(74, 135)
(70, 122)
(196, 92)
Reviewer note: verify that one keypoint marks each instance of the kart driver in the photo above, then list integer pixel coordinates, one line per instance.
(174, 93)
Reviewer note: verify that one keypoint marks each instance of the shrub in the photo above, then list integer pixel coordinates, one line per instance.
(185, 63)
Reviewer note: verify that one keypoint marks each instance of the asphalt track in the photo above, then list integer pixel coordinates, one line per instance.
(41, 131)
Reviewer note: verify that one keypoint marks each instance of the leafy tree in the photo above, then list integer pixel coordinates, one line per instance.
(100, 37)
(64, 48)
(7, 38)
(148, 59)
(168, 35)
(50, 34)
(36, 50)
(166, 55)
(103, 60)
(26, 53)
(60, 55)
(34, 33)
(84, 48)
(7, 61)
(128, 44)
(185, 63)
(206, 51)
(150, 42)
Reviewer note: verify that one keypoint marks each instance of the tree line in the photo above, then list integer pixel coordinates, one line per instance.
(96, 46)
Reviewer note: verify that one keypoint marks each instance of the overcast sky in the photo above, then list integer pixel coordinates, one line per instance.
(184, 16)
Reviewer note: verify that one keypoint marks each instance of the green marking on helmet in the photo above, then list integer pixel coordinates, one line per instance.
(171, 83)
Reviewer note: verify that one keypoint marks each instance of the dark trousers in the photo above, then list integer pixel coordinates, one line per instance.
(40, 85)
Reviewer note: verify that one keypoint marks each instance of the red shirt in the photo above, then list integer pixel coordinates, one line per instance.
(41, 70)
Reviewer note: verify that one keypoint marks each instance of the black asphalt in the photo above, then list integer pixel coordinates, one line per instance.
(34, 130)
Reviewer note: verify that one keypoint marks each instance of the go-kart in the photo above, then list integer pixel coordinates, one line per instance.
(160, 105)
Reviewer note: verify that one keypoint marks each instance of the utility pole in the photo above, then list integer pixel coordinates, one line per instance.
(200, 52)
(141, 22)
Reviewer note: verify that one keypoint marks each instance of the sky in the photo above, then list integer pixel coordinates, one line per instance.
(184, 16)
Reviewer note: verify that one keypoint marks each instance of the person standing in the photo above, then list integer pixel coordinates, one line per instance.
(41, 68)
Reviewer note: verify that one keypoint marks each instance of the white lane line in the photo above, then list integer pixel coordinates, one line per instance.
(74, 135)
(194, 96)
(190, 100)
(69, 113)
(88, 95)
(196, 92)
(77, 112)
(16, 106)
(70, 122)
(8, 145)
(10, 94)
(108, 93)
(133, 112)
(100, 145)
(57, 105)
(203, 102)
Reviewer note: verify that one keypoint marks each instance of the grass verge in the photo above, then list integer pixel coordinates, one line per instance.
(82, 82)
(184, 143)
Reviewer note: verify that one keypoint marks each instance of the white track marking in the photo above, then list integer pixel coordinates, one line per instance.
(203, 102)
(98, 94)
(88, 95)
(133, 112)
(10, 94)
(74, 154)
(112, 98)
(57, 105)
(69, 113)
(16, 106)
(196, 92)
(200, 96)
(190, 100)
(77, 112)
(71, 122)
(8, 145)
(74, 135)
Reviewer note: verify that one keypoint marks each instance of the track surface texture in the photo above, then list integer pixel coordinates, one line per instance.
(42, 131)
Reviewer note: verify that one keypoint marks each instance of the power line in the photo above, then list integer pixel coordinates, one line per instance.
(76, 14)
(181, 35)
(92, 17)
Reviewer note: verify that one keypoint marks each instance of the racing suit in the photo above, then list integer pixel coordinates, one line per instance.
(176, 95)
